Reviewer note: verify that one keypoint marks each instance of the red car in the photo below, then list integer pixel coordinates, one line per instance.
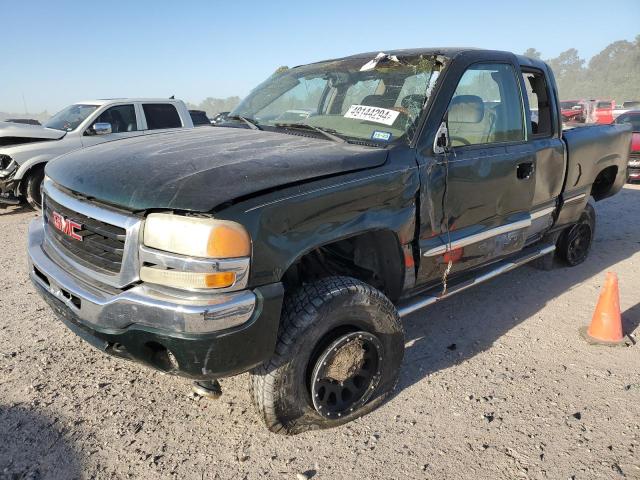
(604, 111)
(572, 111)
(633, 118)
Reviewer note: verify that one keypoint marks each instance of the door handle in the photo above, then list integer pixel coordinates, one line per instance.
(525, 170)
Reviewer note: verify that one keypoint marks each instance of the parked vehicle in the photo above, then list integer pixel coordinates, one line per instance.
(199, 118)
(26, 121)
(572, 111)
(293, 249)
(625, 107)
(604, 111)
(633, 118)
(219, 118)
(25, 149)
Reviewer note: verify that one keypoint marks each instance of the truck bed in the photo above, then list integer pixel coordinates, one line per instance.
(592, 149)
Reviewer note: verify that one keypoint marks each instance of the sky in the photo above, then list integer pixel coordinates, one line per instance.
(59, 52)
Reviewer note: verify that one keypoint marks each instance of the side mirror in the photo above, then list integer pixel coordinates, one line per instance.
(441, 142)
(101, 128)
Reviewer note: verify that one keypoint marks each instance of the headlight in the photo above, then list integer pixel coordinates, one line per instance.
(197, 237)
(5, 161)
(221, 249)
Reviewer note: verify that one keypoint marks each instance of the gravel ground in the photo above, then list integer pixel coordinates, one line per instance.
(496, 383)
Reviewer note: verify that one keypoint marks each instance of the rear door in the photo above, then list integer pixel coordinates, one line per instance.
(544, 133)
(160, 117)
(477, 196)
(124, 124)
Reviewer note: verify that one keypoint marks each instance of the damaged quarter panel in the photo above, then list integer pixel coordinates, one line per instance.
(289, 223)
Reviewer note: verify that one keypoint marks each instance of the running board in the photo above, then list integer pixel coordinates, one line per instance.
(411, 306)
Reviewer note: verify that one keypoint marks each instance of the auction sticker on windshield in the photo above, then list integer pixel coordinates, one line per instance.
(372, 114)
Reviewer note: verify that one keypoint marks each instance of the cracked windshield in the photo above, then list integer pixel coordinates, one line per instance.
(360, 99)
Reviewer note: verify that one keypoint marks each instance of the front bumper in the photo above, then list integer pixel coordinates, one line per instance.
(199, 337)
(8, 183)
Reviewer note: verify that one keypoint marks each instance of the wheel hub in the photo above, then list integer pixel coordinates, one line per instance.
(578, 245)
(346, 374)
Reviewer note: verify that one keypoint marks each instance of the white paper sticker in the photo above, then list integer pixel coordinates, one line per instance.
(372, 114)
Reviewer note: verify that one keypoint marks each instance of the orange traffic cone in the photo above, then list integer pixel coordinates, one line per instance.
(606, 324)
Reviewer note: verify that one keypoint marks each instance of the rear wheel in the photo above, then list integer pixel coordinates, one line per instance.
(575, 243)
(33, 187)
(338, 356)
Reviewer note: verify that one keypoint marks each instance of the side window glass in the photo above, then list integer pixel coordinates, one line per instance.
(121, 117)
(486, 107)
(161, 115)
(539, 105)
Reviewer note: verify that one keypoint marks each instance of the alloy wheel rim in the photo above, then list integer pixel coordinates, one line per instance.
(578, 243)
(346, 374)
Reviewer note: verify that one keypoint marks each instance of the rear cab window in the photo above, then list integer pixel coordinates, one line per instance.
(539, 103)
(161, 115)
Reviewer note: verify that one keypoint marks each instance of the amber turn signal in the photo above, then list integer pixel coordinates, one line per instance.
(187, 280)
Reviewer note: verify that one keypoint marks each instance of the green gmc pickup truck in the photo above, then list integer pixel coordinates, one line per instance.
(337, 198)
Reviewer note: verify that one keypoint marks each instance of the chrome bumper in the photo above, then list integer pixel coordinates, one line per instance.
(105, 307)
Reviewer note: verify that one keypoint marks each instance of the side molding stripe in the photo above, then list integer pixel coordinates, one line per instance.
(478, 237)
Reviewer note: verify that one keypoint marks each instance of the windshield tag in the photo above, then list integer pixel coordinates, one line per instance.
(380, 135)
(372, 114)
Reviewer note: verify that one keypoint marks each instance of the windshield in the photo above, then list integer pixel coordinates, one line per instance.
(69, 118)
(359, 99)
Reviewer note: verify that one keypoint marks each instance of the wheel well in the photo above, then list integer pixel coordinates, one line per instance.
(603, 182)
(27, 174)
(373, 257)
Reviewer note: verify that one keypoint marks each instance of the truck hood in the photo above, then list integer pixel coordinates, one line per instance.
(16, 133)
(199, 169)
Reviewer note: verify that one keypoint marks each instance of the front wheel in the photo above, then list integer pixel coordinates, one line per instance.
(33, 188)
(338, 356)
(575, 243)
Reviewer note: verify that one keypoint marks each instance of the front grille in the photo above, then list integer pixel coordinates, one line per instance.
(102, 245)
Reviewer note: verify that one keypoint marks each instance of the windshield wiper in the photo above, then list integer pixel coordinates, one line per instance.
(330, 134)
(251, 123)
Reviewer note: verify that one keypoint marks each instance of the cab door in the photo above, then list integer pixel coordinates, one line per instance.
(476, 196)
(123, 121)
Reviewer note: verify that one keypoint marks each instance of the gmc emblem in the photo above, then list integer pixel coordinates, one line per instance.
(67, 226)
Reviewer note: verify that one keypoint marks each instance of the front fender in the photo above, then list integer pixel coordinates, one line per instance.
(30, 163)
(286, 226)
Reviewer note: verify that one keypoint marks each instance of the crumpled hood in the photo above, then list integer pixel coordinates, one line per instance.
(199, 169)
(20, 130)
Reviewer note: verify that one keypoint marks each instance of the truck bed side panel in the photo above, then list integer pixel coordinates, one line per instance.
(590, 151)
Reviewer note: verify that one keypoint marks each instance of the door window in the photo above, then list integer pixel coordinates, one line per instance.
(161, 115)
(121, 117)
(539, 105)
(486, 107)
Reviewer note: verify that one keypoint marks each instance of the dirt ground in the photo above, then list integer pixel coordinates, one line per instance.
(496, 383)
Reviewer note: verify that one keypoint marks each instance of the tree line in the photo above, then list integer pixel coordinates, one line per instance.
(612, 74)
